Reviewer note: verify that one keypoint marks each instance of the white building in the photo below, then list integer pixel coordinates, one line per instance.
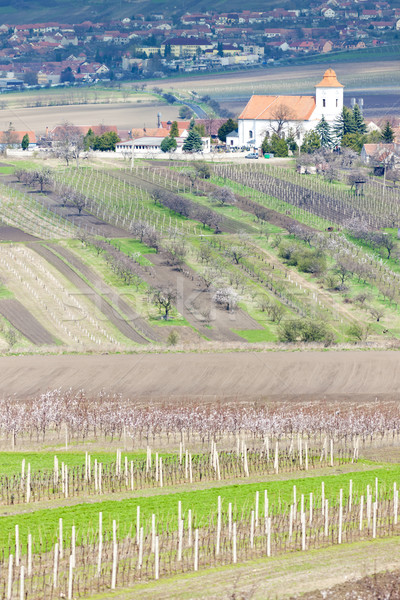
(265, 115)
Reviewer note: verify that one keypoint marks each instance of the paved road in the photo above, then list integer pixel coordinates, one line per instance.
(197, 110)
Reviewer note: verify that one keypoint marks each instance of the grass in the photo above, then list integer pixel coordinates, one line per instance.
(6, 170)
(134, 247)
(10, 462)
(255, 335)
(44, 522)
(5, 293)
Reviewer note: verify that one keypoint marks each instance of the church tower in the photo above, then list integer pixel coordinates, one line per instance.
(328, 97)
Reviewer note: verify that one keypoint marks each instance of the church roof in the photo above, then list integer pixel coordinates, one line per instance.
(329, 80)
(298, 108)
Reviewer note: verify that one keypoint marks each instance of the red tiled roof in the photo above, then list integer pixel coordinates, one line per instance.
(266, 107)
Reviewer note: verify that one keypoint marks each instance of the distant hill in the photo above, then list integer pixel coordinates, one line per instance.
(31, 11)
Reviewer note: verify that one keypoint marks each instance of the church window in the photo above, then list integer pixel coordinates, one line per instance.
(323, 102)
(337, 102)
(250, 134)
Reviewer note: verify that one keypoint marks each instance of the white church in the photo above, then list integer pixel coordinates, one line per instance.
(264, 115)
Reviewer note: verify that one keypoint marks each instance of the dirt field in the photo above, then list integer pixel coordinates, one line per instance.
(124, 116)
(357, 76)
(276, 375)
(278, 577)
(25, 322)
(12, 234)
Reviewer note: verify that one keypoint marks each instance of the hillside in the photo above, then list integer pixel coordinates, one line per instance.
(22, 11)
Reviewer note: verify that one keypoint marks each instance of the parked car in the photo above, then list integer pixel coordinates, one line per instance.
(252, 155)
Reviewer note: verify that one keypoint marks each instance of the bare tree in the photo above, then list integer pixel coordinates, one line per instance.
(281, 116)
(78, 200)
(164, 299)
(377, 312)
(236, 253)
(69, 144)
(176, 253)
(222, 196)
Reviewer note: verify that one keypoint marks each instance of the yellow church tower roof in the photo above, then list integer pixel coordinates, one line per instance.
(329, 80)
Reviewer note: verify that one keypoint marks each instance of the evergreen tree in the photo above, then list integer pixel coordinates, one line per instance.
(276, 146)
(387, 134)
(359, 120)
(25, 142)
(344, 123)
(226, 128)
(355, 141)
(311, 142)
(193, 142)
(324, 131)
(168, 144)
(89, 140)
(174, 131)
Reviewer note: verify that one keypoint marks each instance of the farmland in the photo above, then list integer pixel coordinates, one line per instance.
(199, 378)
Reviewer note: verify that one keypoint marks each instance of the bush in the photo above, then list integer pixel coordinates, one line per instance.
(306, 330)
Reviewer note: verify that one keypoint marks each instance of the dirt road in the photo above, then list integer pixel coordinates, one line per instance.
(353, 375)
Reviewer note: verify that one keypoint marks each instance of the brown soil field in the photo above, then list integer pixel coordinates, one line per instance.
(25, 322)
(279, 375)
(347, 73)
(123, 115)
(278, 577)
(12, 234)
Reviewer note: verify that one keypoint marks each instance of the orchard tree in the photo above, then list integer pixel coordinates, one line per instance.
(226, 297)
(222, 195)
(164, 299)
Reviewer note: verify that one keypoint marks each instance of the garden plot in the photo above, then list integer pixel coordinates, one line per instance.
(64, 311)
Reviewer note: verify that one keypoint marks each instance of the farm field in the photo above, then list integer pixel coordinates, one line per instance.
(124, 115)
(210, 500)
(199, 379)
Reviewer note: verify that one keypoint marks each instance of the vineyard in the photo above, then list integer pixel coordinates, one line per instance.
(193, 524)
(167, 479)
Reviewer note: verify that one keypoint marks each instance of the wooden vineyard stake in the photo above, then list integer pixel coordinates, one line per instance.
(22, 583)
(70, 577)
(10, 577)
(29, 566)
(137, 524)
(115, 557)
(100, 549)
(156, 559)
(55, 566)
(361, 513)
(196, 550)
(234, 550)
